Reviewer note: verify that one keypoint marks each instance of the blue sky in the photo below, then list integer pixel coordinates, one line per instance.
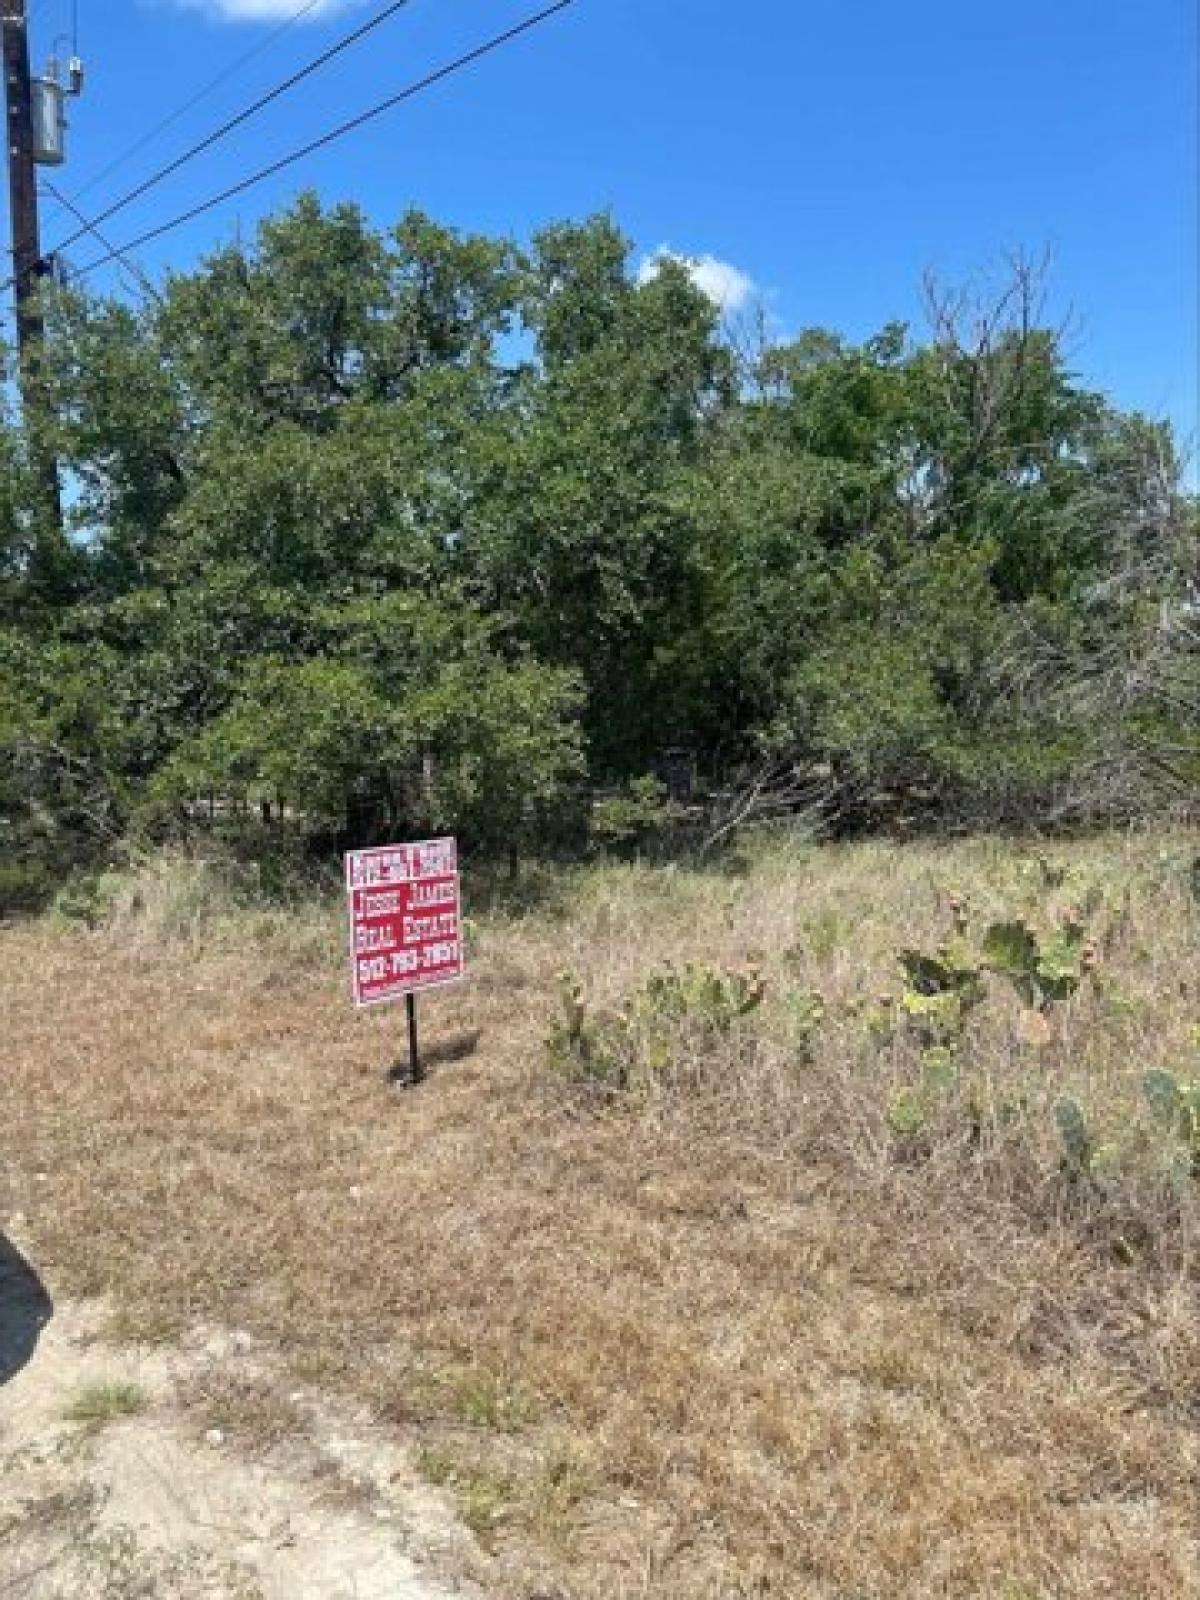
(828, 153)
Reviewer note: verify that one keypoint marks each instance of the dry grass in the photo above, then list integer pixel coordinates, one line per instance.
(723, 1340)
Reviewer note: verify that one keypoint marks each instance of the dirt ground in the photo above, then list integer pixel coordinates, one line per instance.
(146, 1505)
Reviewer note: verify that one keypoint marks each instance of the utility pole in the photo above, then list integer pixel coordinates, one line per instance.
(28, 266)
(22, 186)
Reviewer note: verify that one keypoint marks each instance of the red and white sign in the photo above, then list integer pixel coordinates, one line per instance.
(405, 919)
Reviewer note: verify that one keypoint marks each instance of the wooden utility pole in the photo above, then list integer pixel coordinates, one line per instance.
(22, 182)
(28, 266)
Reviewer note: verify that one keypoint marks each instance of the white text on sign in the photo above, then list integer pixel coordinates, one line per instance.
(405, 919)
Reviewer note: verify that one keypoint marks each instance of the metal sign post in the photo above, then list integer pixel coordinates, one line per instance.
(416, 1073)
(405, 927)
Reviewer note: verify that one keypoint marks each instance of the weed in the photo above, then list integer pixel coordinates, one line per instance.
(486, 1497)
(822, 936)
(104, 1401)
(563, 1480)
(487, 1401)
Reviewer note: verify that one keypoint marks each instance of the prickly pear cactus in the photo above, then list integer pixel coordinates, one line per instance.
(1175, 1106)
(1041, 970)
(1076, 1137)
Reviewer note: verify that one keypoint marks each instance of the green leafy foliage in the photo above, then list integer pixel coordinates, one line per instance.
(414, 528)
(634, 813)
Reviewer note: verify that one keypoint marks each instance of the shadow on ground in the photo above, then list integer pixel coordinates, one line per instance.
(459, 1047)
(444, 1052)
(25, 1309)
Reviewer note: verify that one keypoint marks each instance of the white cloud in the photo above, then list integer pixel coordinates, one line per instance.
(725, 285)
(263, 10)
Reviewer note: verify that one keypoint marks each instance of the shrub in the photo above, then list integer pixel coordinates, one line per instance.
(631, 816)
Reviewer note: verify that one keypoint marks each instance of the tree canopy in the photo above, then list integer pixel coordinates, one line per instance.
(422, 529)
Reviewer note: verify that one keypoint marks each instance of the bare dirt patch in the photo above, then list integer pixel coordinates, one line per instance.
(129, 1498)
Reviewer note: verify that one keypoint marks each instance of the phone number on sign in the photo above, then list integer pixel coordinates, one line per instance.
(431, 958)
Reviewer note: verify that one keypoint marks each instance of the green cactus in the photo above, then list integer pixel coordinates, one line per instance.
(907, 1113)
(1076, 1137)
(911, 1109)
(1042, 971)
(953, 969)
(638, 1044)
(1161, 1090)
(1010, 948)
(1175, 1105)
(942, 989)
(701, 993)
(939, 1070)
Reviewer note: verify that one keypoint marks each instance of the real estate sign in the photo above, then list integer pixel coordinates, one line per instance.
(405, 919)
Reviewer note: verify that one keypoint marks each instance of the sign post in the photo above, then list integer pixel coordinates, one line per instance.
(405, 926)
(416, 1072)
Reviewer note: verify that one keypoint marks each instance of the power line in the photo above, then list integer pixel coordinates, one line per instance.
(180, 112)
(269, 171)
(130, 265)
(227, 127)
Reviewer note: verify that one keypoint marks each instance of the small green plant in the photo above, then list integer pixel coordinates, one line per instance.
(913, 1108)
(628, 818)
(562, 1481)
(1083, 1155)
(486, 1497)
(105, 1401)
(585, 1048)
(823, 936)
(89, 899)
(488, 1401)
(671, 1012)
(714, 998)
(1076, 1137)
(907, 1113)
(1175, 1106)
(804, 1010)
(939, 1069)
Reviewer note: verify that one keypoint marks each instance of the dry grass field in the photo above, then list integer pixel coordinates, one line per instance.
(831, 1299)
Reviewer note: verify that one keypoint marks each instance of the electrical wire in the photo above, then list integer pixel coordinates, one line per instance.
(410, 92)
(119, 255)
(203, 93)
(252, 110)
